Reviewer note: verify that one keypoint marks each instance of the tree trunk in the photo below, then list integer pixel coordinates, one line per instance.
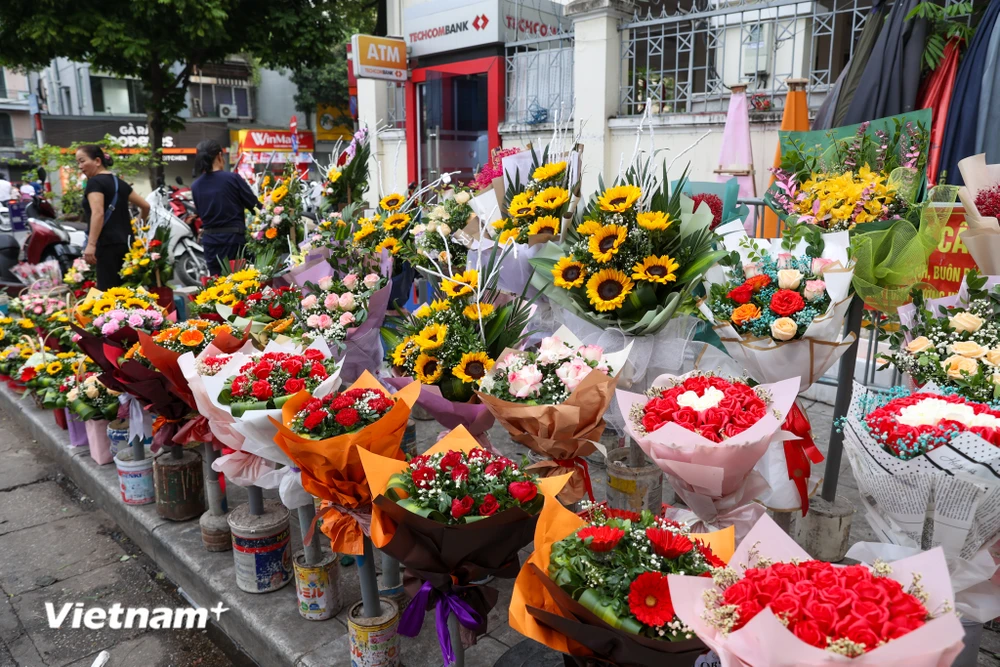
(382, 20)
(155, 120)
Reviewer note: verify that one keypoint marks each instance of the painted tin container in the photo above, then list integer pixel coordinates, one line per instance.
(374, 641)
(180, 485)
(118, 435)
(261, 548)
(409, 442)
(316, 587)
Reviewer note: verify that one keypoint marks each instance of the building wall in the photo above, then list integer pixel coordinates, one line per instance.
(276, 100)
(391, 155)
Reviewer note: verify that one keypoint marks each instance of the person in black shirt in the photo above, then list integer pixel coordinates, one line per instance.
(105, 205)
(221, 198)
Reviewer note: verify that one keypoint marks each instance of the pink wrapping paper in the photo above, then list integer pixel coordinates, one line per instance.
(242, 468)
(764, 641)
(736, 150)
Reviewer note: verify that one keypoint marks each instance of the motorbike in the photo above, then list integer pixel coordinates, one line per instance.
(49, 238)
(182, 205)
(183, 251)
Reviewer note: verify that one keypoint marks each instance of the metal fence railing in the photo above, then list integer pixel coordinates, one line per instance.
(540, 79)
(396, 107)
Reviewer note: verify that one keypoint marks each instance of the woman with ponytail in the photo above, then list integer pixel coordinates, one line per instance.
(105, 206)
(221, 198)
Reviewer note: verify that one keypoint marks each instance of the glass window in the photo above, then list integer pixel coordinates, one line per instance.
(3, 84)
(96, 95)
(136, 96)
(6, 130)
(223, 95)
(242, 102)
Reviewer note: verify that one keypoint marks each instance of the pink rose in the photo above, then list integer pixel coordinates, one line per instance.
(372, 279)
(552, 350)
(276, 220)
(751, 270)
(784, 260)
(525, 382)
(278, 210)
(109, 328)
(347, 301)
(154, 256)
(325, 321)
(310, 301)
(503, 363)
(591, 352)
(346, 319)
(350, 281)
(325, 282)
(572, 373)
(814, 289)
(312, 321)
(135, 320)
(820, 264)
(332, 301)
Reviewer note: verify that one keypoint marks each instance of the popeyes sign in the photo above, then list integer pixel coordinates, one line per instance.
(274, 140)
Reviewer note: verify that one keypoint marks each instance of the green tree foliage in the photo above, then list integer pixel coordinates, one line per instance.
(162, 41)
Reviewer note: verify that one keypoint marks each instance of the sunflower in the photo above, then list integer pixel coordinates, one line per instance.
(509, 235)
(423, 312)
(271, 233)
(391, 202)
(402, 352)
(608, 288)
(364, 232)
(461, 284)
(551, 199)
(499, 224)
(136, 303)
(118, 292)
(437, 305)
(472, 367)
(547, 224)
(389, 243)
(656, 269)
(605, 242)
(333, 175)
(278, 194)
(428, 369)
(619, 198)
(522, 206)
(397, 221)
(192, 338)
(478, 311)
(244, 275)
(548, 171)
(53, 368)
(100, 307)
(568, 274)
(588, 227)
(431, 337)
(654, 220)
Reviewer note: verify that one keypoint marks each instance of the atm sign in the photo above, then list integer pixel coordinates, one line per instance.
(379, 57)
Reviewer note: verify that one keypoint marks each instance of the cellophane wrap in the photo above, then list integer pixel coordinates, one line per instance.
(765, 641)
(947, 497)
(982, 238)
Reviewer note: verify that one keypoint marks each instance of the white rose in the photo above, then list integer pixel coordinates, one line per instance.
(784, 328)
(92, 391)
(965, 322)
(993, 357)
(789, 278)
(439, 212)
(919, 344)
(72, 395)
(444, 229)
(432, 227)
(463, 197)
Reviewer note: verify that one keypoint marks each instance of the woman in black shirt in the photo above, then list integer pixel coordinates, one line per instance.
(105, 206)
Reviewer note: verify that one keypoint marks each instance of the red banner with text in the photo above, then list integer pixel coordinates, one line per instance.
(948, 263)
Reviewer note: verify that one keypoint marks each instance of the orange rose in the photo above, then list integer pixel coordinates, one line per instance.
(192, 338)
(745, 313)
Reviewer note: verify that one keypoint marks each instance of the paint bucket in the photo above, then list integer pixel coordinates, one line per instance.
(634, 489)
(180, 485)
(316, 587)
(136, 477)
(261, 547)
(409, 442)
(374, 641)
(118, 435)
(77, 430)
(60, 416)
(97, 438)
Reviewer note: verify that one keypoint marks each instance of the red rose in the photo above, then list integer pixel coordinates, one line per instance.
(312, 405)
(862, 633)
(786, 606)
(870, 612)
(747, 610)
(347, 417)
(450, 460)
(155, 243)
(489, 506)
(460, 473)
(523, 492)
(341, 402)
(291, 366)
(460, 508)
(738, 593)
(496, 467)
(313, 354)
(262, 390)
(263, 369)
(293, 385)
(240, 308)
(787, 302)
(651, 422)
(318, 371)
(698, 384)
(810, 633)
(276, 310)
(769, 588)
(686, 417)
(479, 454)
(715, 418)
(825, 616)
(423, 477)
(236, 389)
(741, 294)
(313, 419)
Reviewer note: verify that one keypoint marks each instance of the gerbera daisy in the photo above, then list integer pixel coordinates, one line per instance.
(389, 243)
(603, 538)
(508, 235)
(521, 205)
(649, 599)
(619, 198)
(431, 336)
(568, 274)
(428, 369)
(655, 221)
(668, 544)
(608, 289)
(271, 233)
(364, 232)
(548, 171)
(605, 242)
(192, 338)
(656, 269)
(551, 198)
(547, 224)
(478, 311)
(588, 227)
(391, 202)
(472, 367)
(461, 284)
(397, 221)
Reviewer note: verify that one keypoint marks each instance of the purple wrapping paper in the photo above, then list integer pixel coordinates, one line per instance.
(475, 417)
(363, 345)
(77, 430)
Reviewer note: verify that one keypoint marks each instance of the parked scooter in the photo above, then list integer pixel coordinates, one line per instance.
(49, 238)
(182, 205)
(183, 251)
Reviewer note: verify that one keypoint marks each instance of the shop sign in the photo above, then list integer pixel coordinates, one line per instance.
(378, 57)
(330, 124)
(449, 25)
(274, 140)
(950, 260)
(138, 136)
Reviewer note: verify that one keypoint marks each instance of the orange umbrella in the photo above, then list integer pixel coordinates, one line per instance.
(795, 119)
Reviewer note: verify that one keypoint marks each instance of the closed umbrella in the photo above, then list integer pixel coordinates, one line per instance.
(936, 95)
(851, 77)
(794, 119)
(988, 128)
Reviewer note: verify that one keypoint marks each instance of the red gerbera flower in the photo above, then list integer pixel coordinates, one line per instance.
(605, 539)
(649, 599)
(347, 417)
(714, 204)
(667, 544)
(711, 558)
(758, 282)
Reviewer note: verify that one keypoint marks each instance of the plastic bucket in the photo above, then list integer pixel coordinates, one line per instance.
(97, 438)
(77, 430)
(135, 478)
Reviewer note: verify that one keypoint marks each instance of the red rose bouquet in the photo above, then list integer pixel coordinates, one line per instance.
(780, 608)
(453, 516)
(272, 309)
(268, 381)
(981, 199)
(596, 585)
(707, 434)
(337, 414)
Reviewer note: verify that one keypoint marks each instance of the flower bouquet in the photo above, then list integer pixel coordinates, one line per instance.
(226, 290)
(981, 198)
(347, 176)
(445, 237)
(269, 381)
(453, 516)
(387, 228)
(596, 585)
(780, 608)
(276, 223)
(45, 374)
(925, 463)
(14, 329)
(80, 277)
(89, 399)
(325, 435)
(269, 310)
(146, 262)
(707, 433)
(117, 313)
(36, 306)
(553, 401)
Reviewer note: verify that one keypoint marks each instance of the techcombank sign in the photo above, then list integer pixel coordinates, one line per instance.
(450, 25)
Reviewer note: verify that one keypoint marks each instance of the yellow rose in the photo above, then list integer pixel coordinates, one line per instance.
(92, 391)
(789, 278)
(967, 348)
(784, 328)
(965, 322)
(993, 357)
(919, 344)
(956, 365)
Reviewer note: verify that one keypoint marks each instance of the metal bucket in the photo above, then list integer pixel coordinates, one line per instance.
(316, 587)
(633, 489)
(118, 435)
(261, 547)
(180, 485)
(136, 478)
(374, 641)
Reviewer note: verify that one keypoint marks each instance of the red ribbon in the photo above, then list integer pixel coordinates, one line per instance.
(799, 452)
(579, 463)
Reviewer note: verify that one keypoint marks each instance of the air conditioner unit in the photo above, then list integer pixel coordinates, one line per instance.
(758, 46)
(227, 111)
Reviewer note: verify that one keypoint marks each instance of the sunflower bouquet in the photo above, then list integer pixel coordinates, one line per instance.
(346, 178)
(276, 222)
(118, 313)
(12, 329)
(443, 239)
(44, 374)
(225, 290)
(534, 209)
(146, 262)
(387, 228)
(80, 277)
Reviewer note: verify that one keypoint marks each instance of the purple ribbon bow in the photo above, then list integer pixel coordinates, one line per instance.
(447, 603)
